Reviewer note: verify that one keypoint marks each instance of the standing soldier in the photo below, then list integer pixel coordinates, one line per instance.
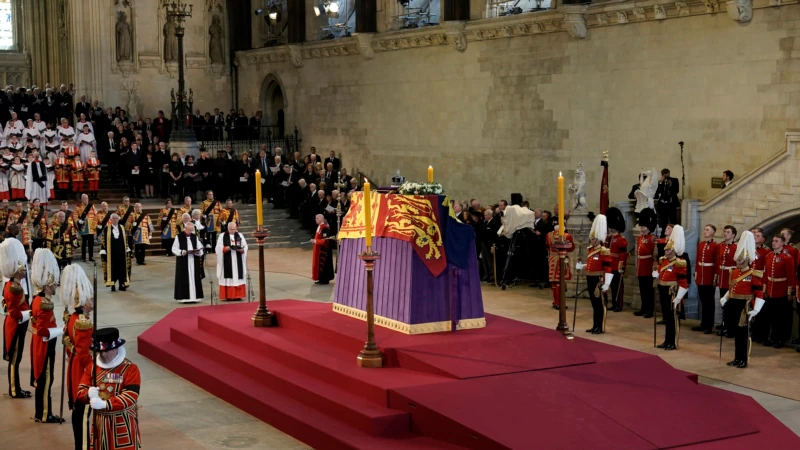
(745, 285)
(759, 261)
(168, 217)
(63, 167)
(77, 296)
(44, 279)
(789, 247)
(141, 230)
(672, 285)
(85, 218)
(93, 174)
(705, 273)
(113, 395)
(618, 246)
(598, 268)
(62, 240)
(779, 284)
(211, 211)
(12, 264)
(554, 263)
(646, 261)
(725, 264)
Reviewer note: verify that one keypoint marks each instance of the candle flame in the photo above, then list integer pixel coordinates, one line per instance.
(559, 173)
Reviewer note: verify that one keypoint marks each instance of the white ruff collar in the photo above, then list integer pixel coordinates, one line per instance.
(114, 362)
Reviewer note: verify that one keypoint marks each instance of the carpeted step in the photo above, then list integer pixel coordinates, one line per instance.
(313, 354)
(270, 405)
(326, 397)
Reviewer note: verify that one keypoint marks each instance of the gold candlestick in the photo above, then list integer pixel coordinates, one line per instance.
(562, 246)
(370, 355)
(263, 317)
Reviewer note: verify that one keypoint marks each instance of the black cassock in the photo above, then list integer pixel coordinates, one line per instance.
(188, 279)
(116, 263)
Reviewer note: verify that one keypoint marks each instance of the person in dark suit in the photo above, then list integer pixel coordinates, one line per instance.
(83, 107)
(244, 178)
(331, 175)
(667, 202)
(255, 126)
(63, 103)
(261, 163)
(198, 122)
(333, 160)
(134, 162)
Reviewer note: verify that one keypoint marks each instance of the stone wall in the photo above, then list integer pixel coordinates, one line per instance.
(507, 113)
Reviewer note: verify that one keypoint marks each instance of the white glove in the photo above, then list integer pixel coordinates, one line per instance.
(757, 308)
(94, 392)
(99, 227)
(579, 266)
(133, 225)
(607, 279)
(97, 403)
(102, 252)
(26, 315)
(655, 274)
(723, 300)
(681, 293)
(80, 221)
(164, 218)
(54, 333)
(605, 288)
(127, 250)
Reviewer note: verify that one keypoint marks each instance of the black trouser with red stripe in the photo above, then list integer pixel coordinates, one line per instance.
(706, 294)
(44, 383)
(665, 298)
(14, 357)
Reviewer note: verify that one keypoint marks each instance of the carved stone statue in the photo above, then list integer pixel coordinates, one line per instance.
(647, 190)
(578, 189)
(170, 41)
(131, 88)
(124, 38)
(215, 42)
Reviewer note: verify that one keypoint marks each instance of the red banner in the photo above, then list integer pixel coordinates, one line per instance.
(604, 188)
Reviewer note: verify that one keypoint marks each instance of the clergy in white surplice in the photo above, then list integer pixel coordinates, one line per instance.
(188, 249)
(231, 264)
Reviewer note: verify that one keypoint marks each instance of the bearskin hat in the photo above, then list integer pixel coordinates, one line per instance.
(615, 219)
(648, 218)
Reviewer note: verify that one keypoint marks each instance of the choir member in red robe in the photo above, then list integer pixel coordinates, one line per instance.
(322, 265)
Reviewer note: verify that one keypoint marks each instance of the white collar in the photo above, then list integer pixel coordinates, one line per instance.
(114, 362)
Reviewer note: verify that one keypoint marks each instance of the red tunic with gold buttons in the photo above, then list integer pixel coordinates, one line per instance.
(42, 319)
(646, 252)
(725, 263)
(760, 260)
(618, 246)
(672, 272)
(93, 173)
(14, 299)
(746, 285)
(780, 278)
(706, 265)
(117, 426)
(794, 252)
(78, 341)
(598, 261)
(62, 172)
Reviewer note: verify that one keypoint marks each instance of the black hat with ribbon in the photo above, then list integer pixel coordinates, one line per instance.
(107, 339)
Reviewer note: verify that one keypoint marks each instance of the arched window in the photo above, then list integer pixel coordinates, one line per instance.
(7, 18)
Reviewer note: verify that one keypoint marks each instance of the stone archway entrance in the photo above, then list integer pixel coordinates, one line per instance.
(273, 105)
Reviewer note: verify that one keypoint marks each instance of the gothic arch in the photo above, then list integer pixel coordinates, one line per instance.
(273, 101)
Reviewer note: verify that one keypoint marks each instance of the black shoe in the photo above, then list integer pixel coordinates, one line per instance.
(598, 331)
(123, 288)
(555, 306)
(638, 313)
(720, 332)
(735, 362)
(742, 365)
(648, 316)
(113, 289)
(591, 330)
(670, 347)
(708, 331)
(698, 328)
(143, 264)
(661, 322)
(778, 345)
(91, 259)
(22, 394)
(662, 345)
(617, 309)
(51, 419)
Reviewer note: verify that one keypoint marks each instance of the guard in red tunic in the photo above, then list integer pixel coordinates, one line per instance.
(787, 238)
(672, 286)
(554, 264)
(646, 261)
(93, 175)
(759, 261)
(774, 326)
(744, 286)
(705, 273)
(76, 175)
(62, 167)
(113, 395)
(322, 269)
(725, 264)
(12, 264)
(77, 295)
(44, 279)
(598, 268)
(618, 246)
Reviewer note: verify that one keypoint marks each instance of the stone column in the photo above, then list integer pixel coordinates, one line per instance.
(44, 36)
(455, 9)
(296, 18)
(366, 16)
(692, 231)
(89, 18)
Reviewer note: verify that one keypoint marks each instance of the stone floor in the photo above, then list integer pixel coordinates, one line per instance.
(176, 414)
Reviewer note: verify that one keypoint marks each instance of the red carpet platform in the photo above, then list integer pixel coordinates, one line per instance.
(509, 385)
